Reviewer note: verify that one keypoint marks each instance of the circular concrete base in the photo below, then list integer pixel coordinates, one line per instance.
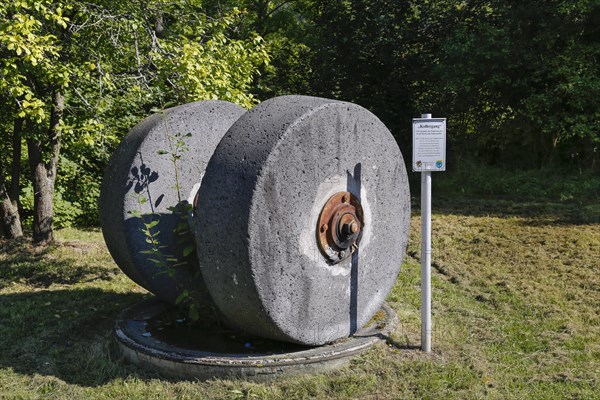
(224, 354)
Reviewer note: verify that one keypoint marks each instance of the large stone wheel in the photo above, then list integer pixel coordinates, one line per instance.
(151, 178)
(302, 219)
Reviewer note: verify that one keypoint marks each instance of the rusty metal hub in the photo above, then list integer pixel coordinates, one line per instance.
(340, 226)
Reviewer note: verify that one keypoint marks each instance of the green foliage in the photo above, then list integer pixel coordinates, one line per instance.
(114, 62)
(177, 148)
(79, 187)
(130, 70)
(66, 213)
(290, 69)
(75, 200)
(287, 28)
(157, 252)
(518, 81)
(30, 47)
(522, 80)
(475, 180)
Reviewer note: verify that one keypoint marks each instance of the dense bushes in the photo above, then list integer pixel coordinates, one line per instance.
(473, 179)
(518, 81)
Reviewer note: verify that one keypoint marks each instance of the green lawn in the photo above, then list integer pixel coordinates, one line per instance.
(516, 314)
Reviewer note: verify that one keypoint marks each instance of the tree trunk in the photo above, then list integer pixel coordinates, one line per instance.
(159, 25)
(262, 8)
(15, 173)
(11, 222)
(9, 199)
(44, 174)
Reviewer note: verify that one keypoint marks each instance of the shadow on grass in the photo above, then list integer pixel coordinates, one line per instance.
(64, 333)
(39, 267)
(533, 213)
(397, 345)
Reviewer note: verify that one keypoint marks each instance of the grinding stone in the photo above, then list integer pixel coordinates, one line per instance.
(260, 200)
(142, 168)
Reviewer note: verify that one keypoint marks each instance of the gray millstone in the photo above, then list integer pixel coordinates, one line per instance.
(258, 208)
(141, 179)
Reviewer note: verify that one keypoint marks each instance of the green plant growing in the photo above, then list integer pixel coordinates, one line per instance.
(190, 299)
(157, 253)
(177, 148)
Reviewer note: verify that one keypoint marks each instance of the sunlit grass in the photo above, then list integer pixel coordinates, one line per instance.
(516, 311)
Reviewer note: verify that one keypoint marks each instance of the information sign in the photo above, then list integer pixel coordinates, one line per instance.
(429, 144)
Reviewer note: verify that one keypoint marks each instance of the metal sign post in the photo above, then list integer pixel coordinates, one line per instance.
(429, 154)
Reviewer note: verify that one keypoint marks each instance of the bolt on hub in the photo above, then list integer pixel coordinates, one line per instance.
(340, 226)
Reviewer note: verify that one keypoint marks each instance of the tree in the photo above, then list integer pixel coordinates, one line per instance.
(522, 79)
(518, 80)
(370, 53)
(29, 71)
(81, 73)
(10, 219)
(287, 29)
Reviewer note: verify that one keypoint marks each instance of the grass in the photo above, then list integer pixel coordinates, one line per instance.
(554, 184)
(516, 315)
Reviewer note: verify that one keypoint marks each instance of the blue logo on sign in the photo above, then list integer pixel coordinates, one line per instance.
(439, 164)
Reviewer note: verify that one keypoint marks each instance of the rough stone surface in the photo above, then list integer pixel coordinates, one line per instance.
(141, 178)
(259, 203)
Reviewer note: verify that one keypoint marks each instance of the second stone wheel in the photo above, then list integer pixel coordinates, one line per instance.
(148, 186)
(302, 219)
